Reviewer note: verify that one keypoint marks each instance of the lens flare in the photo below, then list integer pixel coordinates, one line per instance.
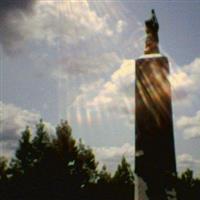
(98, 114)
(78, 115)
(69, 116)
(89, 117)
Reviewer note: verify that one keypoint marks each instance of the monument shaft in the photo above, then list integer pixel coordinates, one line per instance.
(155, 165)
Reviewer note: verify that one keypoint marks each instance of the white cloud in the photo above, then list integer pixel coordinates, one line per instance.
(82, 40)
(185, 83)
(53, 21)
(85, 64)
(193, 68)
(105, 153)
(187, 160)
(118, 91)
(70, 21)
(111, 156)
(190, 125)
(180, 80)
(13, 121)
(115, 96)
(125, 74)
(87, 91)
(85, 88)
(120, 26)
(10, 16)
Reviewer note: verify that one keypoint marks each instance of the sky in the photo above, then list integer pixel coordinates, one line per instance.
(75, 60)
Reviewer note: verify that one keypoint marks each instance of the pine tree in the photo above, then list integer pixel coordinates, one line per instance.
(123, 181)
(65, 144)
(85, 164)
(3, 168)
(104, 176)
(124, 173)
(24, 154)
(41, 141)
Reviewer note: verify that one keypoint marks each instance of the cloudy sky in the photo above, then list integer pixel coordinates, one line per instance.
(74, 60)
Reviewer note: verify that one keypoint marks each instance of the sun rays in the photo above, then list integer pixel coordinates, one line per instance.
(80, 111)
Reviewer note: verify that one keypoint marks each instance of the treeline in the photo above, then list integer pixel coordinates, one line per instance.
(58, 167)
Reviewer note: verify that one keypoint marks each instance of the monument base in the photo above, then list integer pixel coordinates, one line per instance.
(155, 166)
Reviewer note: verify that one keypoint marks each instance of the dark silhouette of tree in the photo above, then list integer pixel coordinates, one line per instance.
(52, 168)
(188, 187)
(85, 164)
(40, 142)
(104, 176)
(4, 172)
(3, 169)
(58, 167)
(124, 173)
(77, 165)
(103, 189)
(65, 146)
(123, 180)
(24, 154)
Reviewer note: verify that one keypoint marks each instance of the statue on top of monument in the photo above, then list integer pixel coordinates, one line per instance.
(152, 40)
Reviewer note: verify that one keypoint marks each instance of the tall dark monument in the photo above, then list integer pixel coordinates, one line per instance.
(155, 165)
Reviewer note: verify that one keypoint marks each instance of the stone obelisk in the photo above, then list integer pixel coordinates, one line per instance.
(155, 165)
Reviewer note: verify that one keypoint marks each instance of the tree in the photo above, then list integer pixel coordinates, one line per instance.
(3, 168)
(24, 154)
(85, 164)
(188, 187)
(41, 141)
(4, 172)
(60, 168)
(65, 144)
(124, 174)
(104, 176)
(76, 162)
(187, 177)
(123, 181)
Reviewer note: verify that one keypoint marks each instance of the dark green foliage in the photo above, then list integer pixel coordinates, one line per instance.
(85, 164)
(123, 181)
(188, 187)
(47, 167)
(59, 167)
(65, 143)
(40, 142)
(24, 154)
(4, 172)
(118, 187)
(3, 168)
(124, 174)
(104, 176)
